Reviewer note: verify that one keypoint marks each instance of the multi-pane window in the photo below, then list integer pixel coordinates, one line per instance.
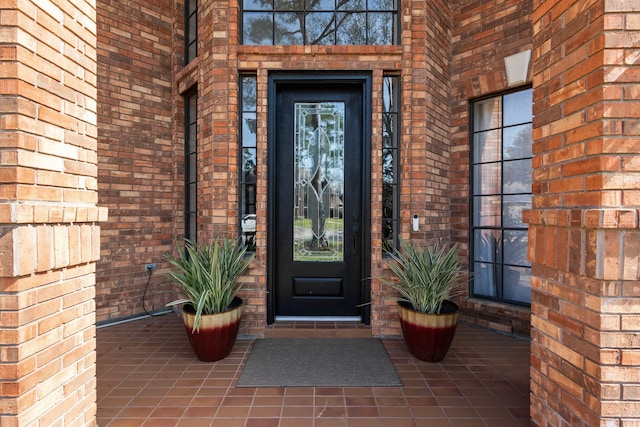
(320, 22)
(248, 166)
(190, 30)
(390, 214)
(190, 165)
(501, 190)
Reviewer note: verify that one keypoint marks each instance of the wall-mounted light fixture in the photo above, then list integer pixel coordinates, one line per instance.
(517, 67)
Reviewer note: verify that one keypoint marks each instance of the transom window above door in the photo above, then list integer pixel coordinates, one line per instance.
(320, 22)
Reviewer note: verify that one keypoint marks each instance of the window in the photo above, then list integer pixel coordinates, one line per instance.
(248, 161)
(501, 189)
(320, 22)
(191, 165)
(390, 193)
(190, 30)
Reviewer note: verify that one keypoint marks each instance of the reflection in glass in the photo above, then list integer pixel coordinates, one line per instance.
(320, 4)
(351, 29)
(257, 28)
(514, 113)
(517, 142)
(288, 28)
(517, 284)
(352, 5)
(248, 161)
(486, 278)
(319, 28)
(382, 4)
(318, 181)
(490, 247)
(289, 4)
(486, 178)
(486, 212)
(515, 247)
(486, 146)
(249, 125)
(517, 176)
(320, 22)
(249, 89)
(512, 207)
(502, 177)
(257, 4)
(487, 114)
(380, 26)
(390, 160)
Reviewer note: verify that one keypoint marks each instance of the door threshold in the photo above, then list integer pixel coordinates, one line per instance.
(318, 319)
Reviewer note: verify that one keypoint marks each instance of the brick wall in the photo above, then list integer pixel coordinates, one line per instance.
(142, 176)
(483, 35)
(137, 176)
(422, 63)
(49, 233)
(584, 229)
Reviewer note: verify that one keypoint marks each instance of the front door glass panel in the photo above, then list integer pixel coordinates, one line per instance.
(318, 226)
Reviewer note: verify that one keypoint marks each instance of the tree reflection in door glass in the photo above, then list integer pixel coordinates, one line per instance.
(318, 181)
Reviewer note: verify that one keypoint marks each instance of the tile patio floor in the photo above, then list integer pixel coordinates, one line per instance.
(148, 376)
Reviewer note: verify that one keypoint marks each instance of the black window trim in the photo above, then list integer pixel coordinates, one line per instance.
(472, 227)
(397, 21)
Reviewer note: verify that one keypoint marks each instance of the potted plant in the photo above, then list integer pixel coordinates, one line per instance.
(208, 274)
(426, 278)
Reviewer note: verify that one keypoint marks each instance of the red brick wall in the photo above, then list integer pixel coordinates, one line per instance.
(137, 169)
(584, 229)
(49, 233)
(484, 33)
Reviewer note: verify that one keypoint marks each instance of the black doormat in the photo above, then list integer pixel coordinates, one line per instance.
(319, 362)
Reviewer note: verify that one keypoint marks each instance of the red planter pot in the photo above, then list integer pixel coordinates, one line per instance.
(217, 333)
(428, 336)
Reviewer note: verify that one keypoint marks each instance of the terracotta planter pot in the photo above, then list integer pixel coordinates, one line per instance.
(428, 336)
(217, 333)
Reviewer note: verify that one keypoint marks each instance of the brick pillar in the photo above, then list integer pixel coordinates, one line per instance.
(584, 232)
(49, 233)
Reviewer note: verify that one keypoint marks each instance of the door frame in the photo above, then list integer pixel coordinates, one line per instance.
(279, 79)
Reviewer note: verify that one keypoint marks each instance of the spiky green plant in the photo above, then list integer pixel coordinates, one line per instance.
(208, 274)
(426, 276)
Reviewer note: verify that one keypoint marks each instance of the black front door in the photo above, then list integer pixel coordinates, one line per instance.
(318, 198)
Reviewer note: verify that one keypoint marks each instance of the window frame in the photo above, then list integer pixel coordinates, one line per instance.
(190, 39)
(473, 228)
(394, 149)
(367, 12)
(247, 201)
(190, 158)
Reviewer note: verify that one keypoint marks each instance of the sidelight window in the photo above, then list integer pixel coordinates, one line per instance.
(249, 163)
(190, 165)
(190, 30)
(320, 22)
(390, 187)
(501, 190)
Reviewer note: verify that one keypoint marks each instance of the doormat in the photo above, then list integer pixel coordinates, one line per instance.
(319, 362)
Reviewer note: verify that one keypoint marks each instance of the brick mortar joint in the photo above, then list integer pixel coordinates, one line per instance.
(48, 213)
(588, 218)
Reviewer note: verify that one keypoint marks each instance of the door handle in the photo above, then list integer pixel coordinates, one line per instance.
(355, 226)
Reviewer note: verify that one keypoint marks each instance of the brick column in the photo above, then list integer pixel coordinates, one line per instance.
(584, 232)
(49, 233)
